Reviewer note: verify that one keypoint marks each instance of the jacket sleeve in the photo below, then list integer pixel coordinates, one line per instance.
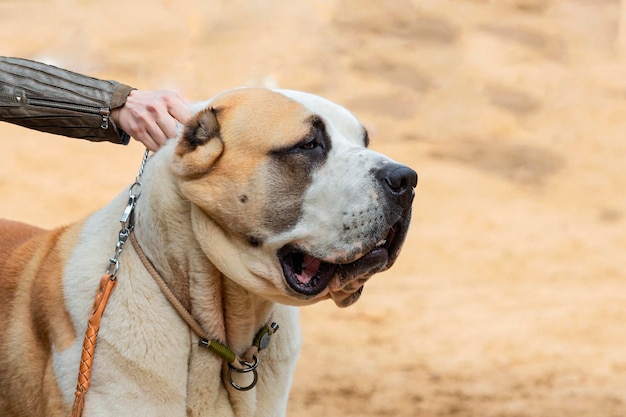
(53, 100)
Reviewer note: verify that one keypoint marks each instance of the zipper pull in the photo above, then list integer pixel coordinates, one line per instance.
(104, 112)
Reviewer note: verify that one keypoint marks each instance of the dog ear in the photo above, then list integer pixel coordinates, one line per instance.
(200, 145)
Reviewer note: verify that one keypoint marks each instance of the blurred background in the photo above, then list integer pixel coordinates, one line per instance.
(510, 296)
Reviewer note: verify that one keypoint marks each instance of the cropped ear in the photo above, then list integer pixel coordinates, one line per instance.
(200, 145)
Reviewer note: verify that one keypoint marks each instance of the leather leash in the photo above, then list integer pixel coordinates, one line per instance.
(107, 283)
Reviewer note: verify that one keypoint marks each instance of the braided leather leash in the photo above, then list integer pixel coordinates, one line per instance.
(107, 283)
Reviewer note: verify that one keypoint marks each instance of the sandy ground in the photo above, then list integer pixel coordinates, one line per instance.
(510, 296)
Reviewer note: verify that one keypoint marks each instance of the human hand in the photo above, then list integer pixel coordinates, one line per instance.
(150, 116)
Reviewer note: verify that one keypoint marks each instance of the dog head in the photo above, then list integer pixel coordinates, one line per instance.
(287, 199)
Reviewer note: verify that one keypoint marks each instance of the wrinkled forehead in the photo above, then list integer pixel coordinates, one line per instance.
(338, 119)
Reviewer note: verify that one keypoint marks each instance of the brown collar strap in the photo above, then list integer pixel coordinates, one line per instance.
(248, 363)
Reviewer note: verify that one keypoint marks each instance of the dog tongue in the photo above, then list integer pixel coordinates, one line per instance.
(310, 267)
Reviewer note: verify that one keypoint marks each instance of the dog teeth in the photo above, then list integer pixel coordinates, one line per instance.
(381, 243)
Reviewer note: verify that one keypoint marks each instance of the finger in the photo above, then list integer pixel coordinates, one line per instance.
(179, 109)
(157, 135)
(144, 137)
(151, 145)
(168, 126)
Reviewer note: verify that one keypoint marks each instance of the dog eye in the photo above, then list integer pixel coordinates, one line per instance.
(313, 144)
(310, 145)
(313, 141)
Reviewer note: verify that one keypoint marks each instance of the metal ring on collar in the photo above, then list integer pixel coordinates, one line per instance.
(249, 367)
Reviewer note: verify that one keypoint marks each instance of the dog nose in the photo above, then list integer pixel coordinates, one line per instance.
(398, 181)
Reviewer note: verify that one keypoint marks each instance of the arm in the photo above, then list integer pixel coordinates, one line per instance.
(54, 100)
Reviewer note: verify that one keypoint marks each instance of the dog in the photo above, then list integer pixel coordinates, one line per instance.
(268, 200)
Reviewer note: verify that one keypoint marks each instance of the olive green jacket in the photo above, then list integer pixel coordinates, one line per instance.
(54, 100)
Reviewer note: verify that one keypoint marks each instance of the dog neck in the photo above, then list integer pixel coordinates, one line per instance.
(178, 257)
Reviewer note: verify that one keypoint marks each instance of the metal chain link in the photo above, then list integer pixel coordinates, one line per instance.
(127, 220)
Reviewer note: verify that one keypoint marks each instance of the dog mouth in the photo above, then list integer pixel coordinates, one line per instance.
(310, 276)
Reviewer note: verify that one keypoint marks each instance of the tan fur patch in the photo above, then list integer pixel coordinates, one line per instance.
(34, 317)
(252, 124)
